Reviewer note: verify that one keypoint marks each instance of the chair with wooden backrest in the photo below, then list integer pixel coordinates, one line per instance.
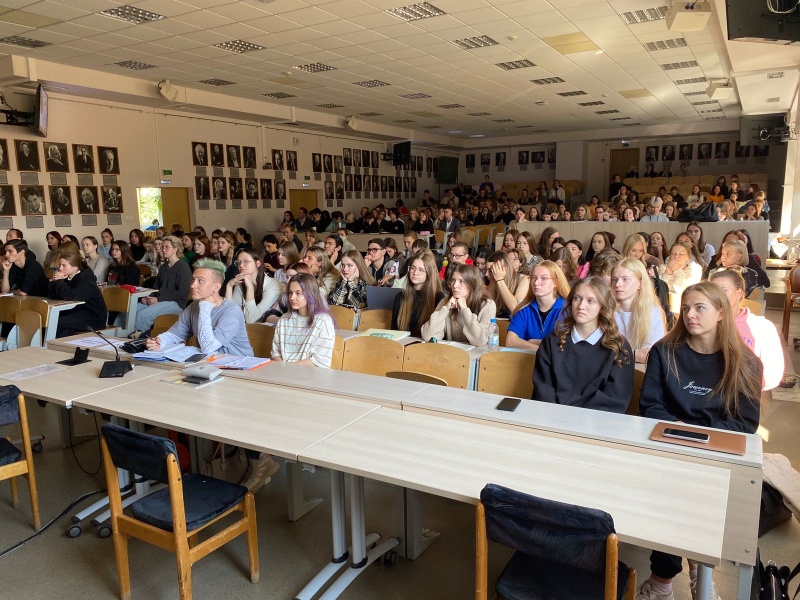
(483, 235)
(440, 360)
(638, 381)
(506, 373)
(418, 377)
(792, 295)
(757, 308)
(375, 319)
(631, 182)
(440, 237)
(29, 328)
(39, 306)
(9, 307)
(172, 517)
(468, 236)
(561, 550)
(117, 301)
(260, 337)
(372, 355)
(502, 327)
(15, 462)
(162, 323)
(345, 318)
(145, 271)
(338, 353)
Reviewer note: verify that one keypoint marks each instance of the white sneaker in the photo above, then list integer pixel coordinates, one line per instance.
(648, 591)
(693, 587)
(260, 472)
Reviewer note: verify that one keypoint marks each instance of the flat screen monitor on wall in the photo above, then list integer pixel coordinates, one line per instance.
(752, 129)
(448, 170)
(401, 153)
(41, 112)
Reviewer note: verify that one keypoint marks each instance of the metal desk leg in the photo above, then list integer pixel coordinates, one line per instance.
(745, 582)
(64, 429)
(297, 505)
(415, 538)
(704, 573)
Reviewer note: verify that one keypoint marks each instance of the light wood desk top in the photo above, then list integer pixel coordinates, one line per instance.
(272, 419)
(456, 459)
(64, 386)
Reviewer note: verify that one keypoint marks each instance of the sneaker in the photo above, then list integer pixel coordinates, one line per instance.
(693, 588)
(259, 472)
(648, 591)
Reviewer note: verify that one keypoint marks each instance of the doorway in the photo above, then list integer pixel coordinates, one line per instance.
(168, 205)
(621, 161)
(302, 198)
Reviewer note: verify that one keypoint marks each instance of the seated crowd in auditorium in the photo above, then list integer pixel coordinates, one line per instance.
(591, 314)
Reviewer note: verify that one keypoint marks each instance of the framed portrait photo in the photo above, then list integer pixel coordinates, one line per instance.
(277, 160)
(375, 183)
(251, 188)
(56, 159)
(280, 189)
(469, 160)
(329, 190)
(112, 199)
(668, 152)
(27, 155)
(651, 154)
(217, 155)
(742, 151)
(523, 157)
(291, 160)
(384, 183)
(357, 183)
(327, 163)
(340, 190)
(219, 188)
(32, 198)
(338, 165)
(486, 159)
(249, 157)
(8, 207)
(233, 156)
(199, 154)
(87, 200)
(537, 157)
(356, 157)
(109, 160)
(347, 156)
(390, 183)
(500, 159)
(722, 150)
(551, 156)
(376, 160)
(266, 189)
(365, 158)
(60, 199)
(686, 151)
(316, 162)
(236, 188)
(202, 188)
(704, 151)
(348, 182)
(4, 164)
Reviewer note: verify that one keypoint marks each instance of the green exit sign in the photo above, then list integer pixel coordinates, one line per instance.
(307, 178)
(166, 172)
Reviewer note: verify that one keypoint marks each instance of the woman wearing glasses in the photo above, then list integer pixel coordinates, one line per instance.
(251, 289)
(422, 292)
(172, 282)
(536, 317)
(586, 362)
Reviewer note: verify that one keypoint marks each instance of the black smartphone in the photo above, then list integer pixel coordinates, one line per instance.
(509, 404)
(683, 434)
(196, 358)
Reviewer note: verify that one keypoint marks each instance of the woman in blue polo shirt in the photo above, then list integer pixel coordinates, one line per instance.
(537, 316)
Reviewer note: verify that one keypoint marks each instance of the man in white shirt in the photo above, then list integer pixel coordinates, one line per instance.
(654, 214)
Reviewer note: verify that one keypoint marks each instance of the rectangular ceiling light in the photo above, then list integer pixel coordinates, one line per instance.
(665, 44)
(479, 114)
(217, 82)
(606, 112)
(329, 105)
(704, 102)
(775, 75)
(371, 83)
(475, 42)
(135, 65)
(23, 42)
(404, 121)
(416, 96)
(370, 114)
(569, 94)
(515, 64)
(644, 16)
(131, 14)
(503, 120)
(775, 99)
(713, 118)
(547, 80)
(314, 68)
(279, 95)
(593, 103)
(630, 124)
(710, 110)
(692, 80)
(686, 64)
(414, 12)
(703, 93)
(238, 46)
(449, 106)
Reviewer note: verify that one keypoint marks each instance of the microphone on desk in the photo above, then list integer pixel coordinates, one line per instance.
(112, 368)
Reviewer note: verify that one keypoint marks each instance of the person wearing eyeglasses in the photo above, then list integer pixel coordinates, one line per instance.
(458, 255)
(251, 289)
(376, 258)
(172, 284)
(536, 316)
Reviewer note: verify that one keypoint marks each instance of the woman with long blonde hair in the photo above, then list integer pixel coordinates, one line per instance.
(327, 275)
(636, 247)
(507, 287)
(639, 315)
(422, 292)
(537, 315)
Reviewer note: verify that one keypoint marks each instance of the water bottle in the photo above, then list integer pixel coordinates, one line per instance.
(494, 336)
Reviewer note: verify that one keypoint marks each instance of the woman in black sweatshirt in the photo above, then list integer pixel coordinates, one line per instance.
(123, 269)
(71, 282)
(700, 374)
(422, 293)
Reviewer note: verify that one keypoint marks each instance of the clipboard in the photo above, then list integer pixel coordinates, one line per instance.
(729, 442)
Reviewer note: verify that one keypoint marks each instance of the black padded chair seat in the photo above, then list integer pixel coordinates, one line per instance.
(527, 578)
(9, 453)
(205, 498)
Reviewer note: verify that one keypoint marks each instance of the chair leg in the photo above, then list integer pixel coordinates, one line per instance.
(481, 554)
(37, 521)
(184, 569)
(14, 492)
(123, 566)
(252, 536)
(630, 591)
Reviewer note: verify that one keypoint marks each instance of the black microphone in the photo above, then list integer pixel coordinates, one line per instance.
(112, 368)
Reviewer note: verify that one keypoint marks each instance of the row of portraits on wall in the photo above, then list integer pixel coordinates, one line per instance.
(705, 151)
(524, 157)
(57, 157)
(86, 198)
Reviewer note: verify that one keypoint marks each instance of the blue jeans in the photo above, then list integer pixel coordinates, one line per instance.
(146, 315)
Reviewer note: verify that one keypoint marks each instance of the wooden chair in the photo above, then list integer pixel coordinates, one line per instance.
(638, 381)
(145, 271)
(345, 318)
(372, 355)
(757, 308)
(29, 329)
(468, 237)
(14, 462)
(117, 301)
(506, 373)
(792, 295)
(338, 353)
(260, 337)
(172, 517)
(439, 360)
(502, 326)
(483, 236)
(162, 323)
(440, 237)
(562, 550)
(418, 377)
(9, 307)
(38, 306)
(375, 319)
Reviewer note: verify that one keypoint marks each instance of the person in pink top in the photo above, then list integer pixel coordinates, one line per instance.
(759, 333)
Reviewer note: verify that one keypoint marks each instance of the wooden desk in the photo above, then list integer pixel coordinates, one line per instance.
(133, 305)
(55, 307)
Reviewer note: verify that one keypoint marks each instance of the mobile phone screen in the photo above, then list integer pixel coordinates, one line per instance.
(196, 358)
(509, 404)
(683, 434)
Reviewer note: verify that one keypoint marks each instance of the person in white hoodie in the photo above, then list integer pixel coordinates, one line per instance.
(759, 333)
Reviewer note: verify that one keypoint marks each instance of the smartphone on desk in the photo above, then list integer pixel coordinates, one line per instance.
(683, 434)
(196, 358)
(508, 404)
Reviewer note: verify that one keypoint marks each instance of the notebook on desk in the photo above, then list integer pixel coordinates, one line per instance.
(381, 298)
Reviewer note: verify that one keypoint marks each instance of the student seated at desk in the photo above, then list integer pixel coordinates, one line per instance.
(639, 315)
(351, 290)
(464, 315)
(172, 284)
(216, 323)
(536, 317)
(421, 293)
(123, 269)
(699, 374)
(22, 275)
(252, 289)
(71, 282)
(586, 362)
(306, 333)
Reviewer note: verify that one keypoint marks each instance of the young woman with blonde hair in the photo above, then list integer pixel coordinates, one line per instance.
(327, 275)
(507, 287)
(422, 292)
(565, 259)
(681, 269)
(639, 315)
(685, 238)
(526, 244)
(517, 259)
(636, 247)
(699, 374)
(734, 254)
(586, 362)
(537, 315)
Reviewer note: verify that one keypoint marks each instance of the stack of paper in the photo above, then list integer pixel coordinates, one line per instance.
(240, 363)
(175, 353)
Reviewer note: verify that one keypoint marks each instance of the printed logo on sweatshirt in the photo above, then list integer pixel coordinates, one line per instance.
(696, 389)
